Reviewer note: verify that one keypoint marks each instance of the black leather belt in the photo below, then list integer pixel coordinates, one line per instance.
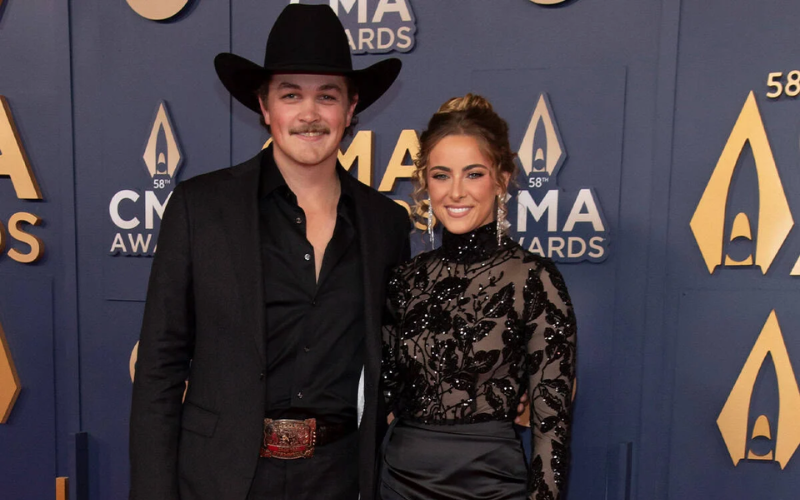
(290, 439)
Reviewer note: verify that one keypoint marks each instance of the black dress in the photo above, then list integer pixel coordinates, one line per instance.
(472, 326)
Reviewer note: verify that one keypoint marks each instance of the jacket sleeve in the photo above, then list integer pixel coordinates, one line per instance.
(165, 352)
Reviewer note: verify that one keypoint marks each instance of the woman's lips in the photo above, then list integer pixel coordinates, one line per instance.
(458, 211)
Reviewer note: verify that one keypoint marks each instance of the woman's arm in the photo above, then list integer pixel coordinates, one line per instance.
(549, 314)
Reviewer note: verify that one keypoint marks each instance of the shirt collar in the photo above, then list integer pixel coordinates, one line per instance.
(271, 179)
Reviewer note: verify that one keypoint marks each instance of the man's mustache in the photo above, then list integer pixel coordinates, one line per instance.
(311, 129)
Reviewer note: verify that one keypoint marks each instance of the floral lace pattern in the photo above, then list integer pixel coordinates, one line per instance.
(471, 327)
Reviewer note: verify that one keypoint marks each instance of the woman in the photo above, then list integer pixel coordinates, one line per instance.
(474, 325)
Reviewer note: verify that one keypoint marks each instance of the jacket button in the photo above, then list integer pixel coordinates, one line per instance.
(299, 395)
(261, 376)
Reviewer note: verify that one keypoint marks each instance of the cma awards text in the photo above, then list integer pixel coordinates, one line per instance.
(14, 164)
(138, 216)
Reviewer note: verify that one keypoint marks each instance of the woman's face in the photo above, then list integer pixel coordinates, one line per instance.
(461, 184)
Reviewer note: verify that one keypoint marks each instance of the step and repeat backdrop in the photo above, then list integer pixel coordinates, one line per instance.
(659, 165)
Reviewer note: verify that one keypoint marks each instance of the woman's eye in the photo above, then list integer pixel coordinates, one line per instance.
(439, 177)
(475, 175)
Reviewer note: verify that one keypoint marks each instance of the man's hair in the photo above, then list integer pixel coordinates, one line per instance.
(352, 93)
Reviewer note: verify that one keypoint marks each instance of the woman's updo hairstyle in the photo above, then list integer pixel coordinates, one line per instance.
(471, 115)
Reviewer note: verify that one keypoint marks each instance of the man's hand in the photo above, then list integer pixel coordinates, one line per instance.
(523, 413)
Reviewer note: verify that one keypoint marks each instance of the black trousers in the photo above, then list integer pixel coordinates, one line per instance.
(331, 474)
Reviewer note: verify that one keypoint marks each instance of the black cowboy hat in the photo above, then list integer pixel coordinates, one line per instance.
(305, 39)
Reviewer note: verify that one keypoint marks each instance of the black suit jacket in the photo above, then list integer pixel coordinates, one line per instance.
(204, 321)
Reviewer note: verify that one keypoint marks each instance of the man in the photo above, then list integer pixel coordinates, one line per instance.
(266, 295)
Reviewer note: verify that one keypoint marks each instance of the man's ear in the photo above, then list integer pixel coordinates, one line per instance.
(264, 110)
(352, 110)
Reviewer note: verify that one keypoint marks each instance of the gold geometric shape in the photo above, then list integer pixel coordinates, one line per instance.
(62, 488)
(162, 146)
(769, 457)
(733, 418)
(9, 380)
(14, 161)
(732, 263)
(157, 10)
(796, 269)
(132, 361)
(36, 243)
(407, 147)
(360, 150)
(761, 429)
(546, 146)
(741, 227)
(774, 217)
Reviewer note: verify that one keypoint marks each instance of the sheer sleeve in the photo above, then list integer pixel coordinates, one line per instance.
(396, 293)
(551, 320)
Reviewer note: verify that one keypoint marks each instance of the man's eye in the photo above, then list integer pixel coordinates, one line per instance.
(327, 97)
(289, 96)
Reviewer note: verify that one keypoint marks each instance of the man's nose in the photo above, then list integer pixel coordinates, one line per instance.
(309, 111)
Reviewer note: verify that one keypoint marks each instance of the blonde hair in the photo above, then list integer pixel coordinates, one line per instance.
(470, 115)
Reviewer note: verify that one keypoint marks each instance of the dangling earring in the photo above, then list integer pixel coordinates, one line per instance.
(502, 223)
(430, 223)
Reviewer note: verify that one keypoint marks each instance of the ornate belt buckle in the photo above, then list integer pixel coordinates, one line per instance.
(289, 439)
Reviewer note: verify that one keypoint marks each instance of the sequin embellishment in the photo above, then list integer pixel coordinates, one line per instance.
(472, 326)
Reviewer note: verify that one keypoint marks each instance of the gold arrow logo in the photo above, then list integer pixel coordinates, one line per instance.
(9, 381)
(542, 150)
(774, 217)
(734, 417)
(157, 10)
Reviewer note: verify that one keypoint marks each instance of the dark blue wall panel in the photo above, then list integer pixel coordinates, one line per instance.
(645, 95)
(38, 301)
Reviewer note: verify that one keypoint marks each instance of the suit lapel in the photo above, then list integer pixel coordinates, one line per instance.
(240, 218)
(372, 254)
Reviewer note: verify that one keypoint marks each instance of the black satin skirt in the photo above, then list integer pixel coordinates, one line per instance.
(460, 462)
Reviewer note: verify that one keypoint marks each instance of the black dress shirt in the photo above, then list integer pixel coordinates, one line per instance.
(314, 329)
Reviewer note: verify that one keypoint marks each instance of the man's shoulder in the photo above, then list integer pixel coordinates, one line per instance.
(215, 179)
(376, 200)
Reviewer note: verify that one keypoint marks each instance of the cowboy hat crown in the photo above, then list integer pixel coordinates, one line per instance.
(305, 39)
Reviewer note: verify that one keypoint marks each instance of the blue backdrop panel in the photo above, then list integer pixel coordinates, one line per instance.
(590, 124)
(717, 330)
(35, 79)
(661, 340)
(124, 67)
(716, 318)
(29, 437)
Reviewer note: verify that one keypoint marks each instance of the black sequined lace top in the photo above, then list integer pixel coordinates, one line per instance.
(472, 326)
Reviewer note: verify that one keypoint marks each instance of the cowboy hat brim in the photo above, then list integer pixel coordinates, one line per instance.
(243, 78)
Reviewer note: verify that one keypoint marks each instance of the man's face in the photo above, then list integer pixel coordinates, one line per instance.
(307, 115)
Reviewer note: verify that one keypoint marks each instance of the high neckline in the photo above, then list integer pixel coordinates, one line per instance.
(475, 246)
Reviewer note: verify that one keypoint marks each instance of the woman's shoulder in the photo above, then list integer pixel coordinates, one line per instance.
(527, 263)
(416, 263)
(528, 259)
